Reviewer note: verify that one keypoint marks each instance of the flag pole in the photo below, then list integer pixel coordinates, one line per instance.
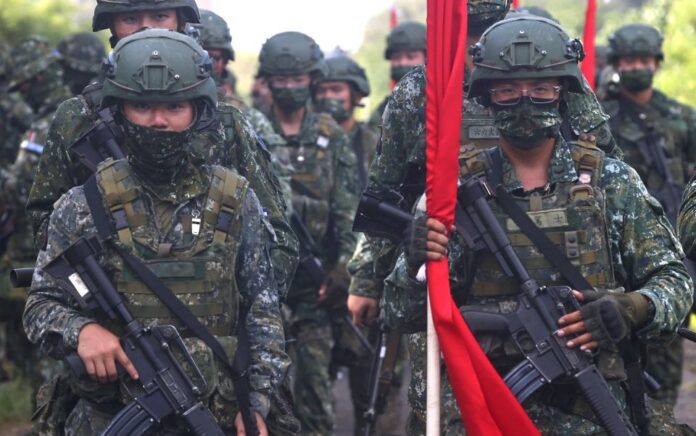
(433, 379)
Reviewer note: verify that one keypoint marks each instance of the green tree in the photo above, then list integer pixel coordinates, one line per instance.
(52, 19)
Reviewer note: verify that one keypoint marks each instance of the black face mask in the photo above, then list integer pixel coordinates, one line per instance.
(397, 73)
(156, 155)
(290, 99)
(333, 106)
(637, 80)
(526, 125)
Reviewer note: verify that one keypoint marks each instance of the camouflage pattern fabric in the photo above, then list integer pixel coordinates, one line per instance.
(15, 181)
(325, 190)
(53, 320)
(644, 257)
(15, 119)
(686, 220)
(674, 125)
(375, 120)
(231, 143)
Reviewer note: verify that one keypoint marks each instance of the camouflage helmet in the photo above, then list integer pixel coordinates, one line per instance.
(291, 53)
(526, 47)
(82, 52)
(483, 13)
(31, 57)
(635, 40)
(345, 69)
(215, 33)
(407, 36)
(158, 65)
(101, 19)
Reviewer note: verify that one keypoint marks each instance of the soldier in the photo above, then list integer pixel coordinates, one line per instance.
(261, 96)
(338, 93)
(15, 113)
(216, 39)
(38, 78)
(164, 189)
(324, 194)
(623, 243)
(658, 137)
(81, 55)
(405, 49)
(227, 139)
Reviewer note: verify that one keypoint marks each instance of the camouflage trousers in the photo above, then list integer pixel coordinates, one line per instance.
(311, 329)
(555, 409)
(664, 362)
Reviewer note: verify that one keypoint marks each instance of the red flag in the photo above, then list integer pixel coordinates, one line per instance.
(487, 405)
(588, 64)
(515, 4)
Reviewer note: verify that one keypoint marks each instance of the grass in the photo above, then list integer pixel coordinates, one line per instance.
(15, 401)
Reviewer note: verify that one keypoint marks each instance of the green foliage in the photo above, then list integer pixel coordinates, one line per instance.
(52, 19)
(15, 400)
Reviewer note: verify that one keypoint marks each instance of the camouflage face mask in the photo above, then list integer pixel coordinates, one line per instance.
(333, 106)
(155, 154)
(637, 80)
(397, 73)
(290, 99)
(526, 125)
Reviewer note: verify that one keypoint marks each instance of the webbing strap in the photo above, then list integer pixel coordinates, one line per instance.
(550, 251)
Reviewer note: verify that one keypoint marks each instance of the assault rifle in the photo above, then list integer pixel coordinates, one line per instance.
(534, 324)
(100, 142)
(382, 215)
(312, 265)
(381, 374)
(167, 389)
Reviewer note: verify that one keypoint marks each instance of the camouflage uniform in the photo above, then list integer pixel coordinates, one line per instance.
(53, 320)
(33, 57)
(632, 235)
(323, 162)
(324, 196)
(15, 114)
(663, 123)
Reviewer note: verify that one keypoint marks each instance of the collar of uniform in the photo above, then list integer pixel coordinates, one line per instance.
(191, 182)
(561, 167)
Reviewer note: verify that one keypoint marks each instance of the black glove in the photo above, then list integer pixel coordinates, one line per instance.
(611, 317)
(416, 244)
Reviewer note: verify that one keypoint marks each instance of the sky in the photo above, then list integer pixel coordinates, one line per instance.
(329, 22)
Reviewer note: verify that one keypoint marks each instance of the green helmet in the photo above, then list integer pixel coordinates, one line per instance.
(215, 33)
(345, 69)
(407, 36)
(31, 57)
(291, 53)
(100, 21)
(635, 40)
(483, 13)
(82, 52)
(158, 65)
(526, 47)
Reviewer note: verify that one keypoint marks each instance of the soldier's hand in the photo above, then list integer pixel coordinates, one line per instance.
(260, 424)
(425, 239)
(322, 293)
(363, 309)
(99, 350)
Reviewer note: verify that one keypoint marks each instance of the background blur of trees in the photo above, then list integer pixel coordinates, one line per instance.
(675, 18)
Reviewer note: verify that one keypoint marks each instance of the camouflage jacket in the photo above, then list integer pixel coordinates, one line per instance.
(15, 118)
(364, 140)
(400, 162)
(324, 189)
(686, 220)
(663, 122)
(375, 120)
(53, 320)
(231, 143)
(16, 180)
(644, 254)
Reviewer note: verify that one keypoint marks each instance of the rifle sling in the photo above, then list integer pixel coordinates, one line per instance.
(243, 353)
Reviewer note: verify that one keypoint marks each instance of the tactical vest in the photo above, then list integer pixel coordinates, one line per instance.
(314, 160)
(201, 272)
(573, 216)
(670, 132)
